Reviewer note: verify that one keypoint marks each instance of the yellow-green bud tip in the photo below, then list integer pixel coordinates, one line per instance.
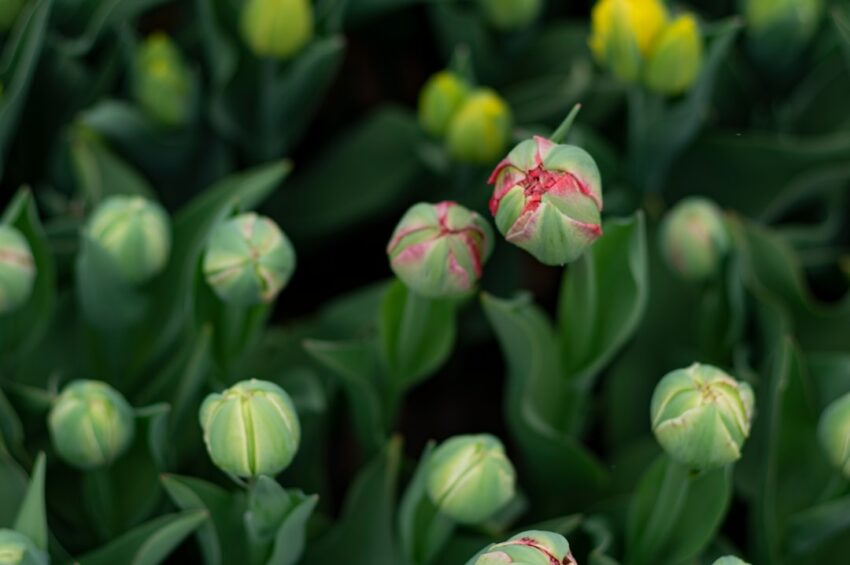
(623, 33)
(834, 433)
(161, 84)
(440, 99)
(676, 58)
(277, 28)
(481, 128)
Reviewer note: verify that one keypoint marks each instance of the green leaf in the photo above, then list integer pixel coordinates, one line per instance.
(603, 297)
(149, 543)
(32, 519)
(364, 533)
(819, 530)
(13, 484)
(105, 16)
(291, 535)
(268, 505)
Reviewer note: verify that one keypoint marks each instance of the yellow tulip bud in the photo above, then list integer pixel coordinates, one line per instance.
(675, 61)
(277, 28)
(624, 32)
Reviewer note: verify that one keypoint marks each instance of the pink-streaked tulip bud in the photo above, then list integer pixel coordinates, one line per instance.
(548, 200)
(533, 547)
(438, 250)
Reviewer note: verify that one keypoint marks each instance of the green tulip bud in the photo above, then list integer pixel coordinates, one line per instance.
(694, 239)
(251, 429)
(548, 200)
(277, 28)
(509, 15)
(623, 33)
(17, 269)
(161, 81)
(701, 416)
(533, 547)
(91, 424)
(480, 129)
(9, 11)
(249, 260)
(18, 549)
(730, 560)
(780, 30)
(470, 478)
(834, 433)
(439, 250)
(440, 99)
(135, 233)
(676, 58)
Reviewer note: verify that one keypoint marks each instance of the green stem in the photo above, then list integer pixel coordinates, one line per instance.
(668, 506)
(565, 126)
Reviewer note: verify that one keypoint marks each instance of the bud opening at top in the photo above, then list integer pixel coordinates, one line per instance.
(533, 547)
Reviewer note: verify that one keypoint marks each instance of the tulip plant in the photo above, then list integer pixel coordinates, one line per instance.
(391, 282)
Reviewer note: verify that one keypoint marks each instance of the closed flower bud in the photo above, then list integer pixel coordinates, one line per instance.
(440, 99)
(676, 57)
(694, 239)
(18, 549)
(533, 547)
(248, 260)
(780, 30)
(91, 424)
(277, 28)
(834, 433)
(548, 200)
(17, 269)
(251, 429)
(509, 15)
(470, 478)
(9, 11)
(438, 250)
(623, 33)
(135, 233)
(730, 560)
(481, 128)
(161, 82)
(701, 416)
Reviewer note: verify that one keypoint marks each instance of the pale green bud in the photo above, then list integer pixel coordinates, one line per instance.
(135, 233)
(694, 239)
(533, 547)
(251, 429)
(481, 128)
(470, 478)
(548, 200)
(161, 84)
(438, 250)
(17, 269)
(91, 424)
(249, 260)
(676, 57)
(9, 11)
(779, 30)
(834, 433)
(439, 100)
(508, 15)
(277, 28)
(730, 560)
(18, 549)
(701, 416)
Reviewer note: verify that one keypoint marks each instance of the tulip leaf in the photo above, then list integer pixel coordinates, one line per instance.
(603, 297)
(417, 334)
(221, 538)
(32, 520)
(540, 404)
(11, 428)
(13, 484)
(106, 14)
(149, 543)
(817, 533)
(18, 61)
(268, 505)
(371, 495)
(290, 539)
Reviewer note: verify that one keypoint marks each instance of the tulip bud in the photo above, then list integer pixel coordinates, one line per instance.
(277, 28)
(9, 11)
(676, 57)
(161, 81)
(17, 269)
(730, 560)
(623, 33)
(440, 99)
(480, 129)
(529, 548)
(438, 250)
(701, 416)
(834, 433)
(251, 429)
(548, 199)
(509, 15)
(248, 260)
(135, 233)
(470, 478)
(694, 239)
(779, 30)
(18, 549)
(91, 424)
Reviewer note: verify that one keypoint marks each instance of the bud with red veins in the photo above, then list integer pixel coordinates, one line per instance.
(534, 547)
(438, 250)
(548, 200)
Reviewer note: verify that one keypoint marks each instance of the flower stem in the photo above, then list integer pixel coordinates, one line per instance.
(565, 126)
